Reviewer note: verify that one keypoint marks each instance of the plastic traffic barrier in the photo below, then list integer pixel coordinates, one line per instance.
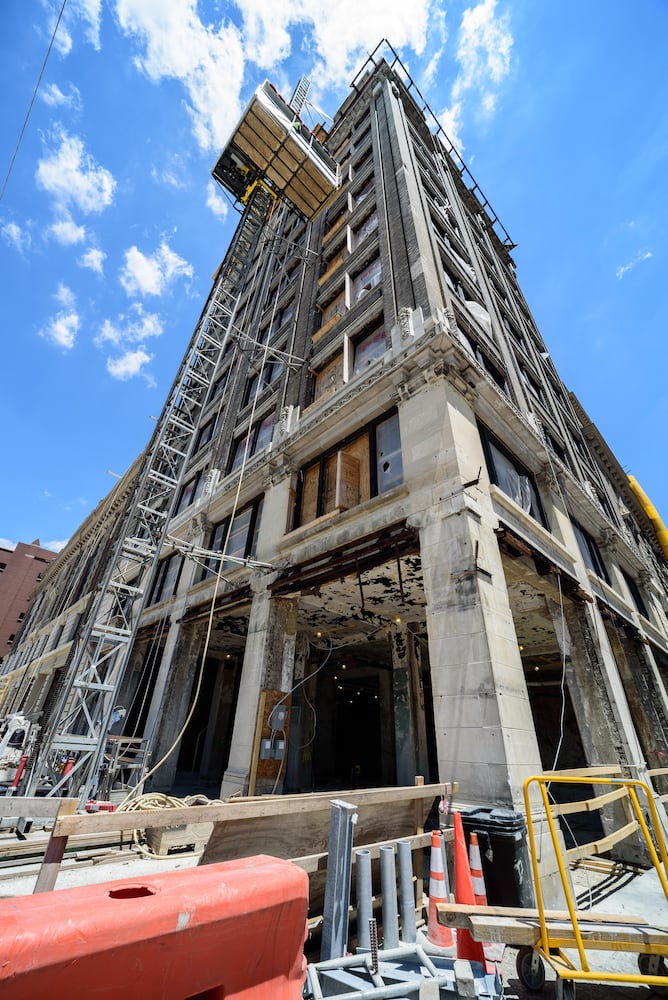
(232, 930)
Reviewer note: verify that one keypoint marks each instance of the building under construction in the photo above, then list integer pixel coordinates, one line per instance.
(374, 535)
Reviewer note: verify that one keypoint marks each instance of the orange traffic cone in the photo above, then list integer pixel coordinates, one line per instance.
(466, 946)
(438, 935)
(477, 877)
(493, 952)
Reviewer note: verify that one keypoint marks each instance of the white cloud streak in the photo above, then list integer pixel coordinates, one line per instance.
(129, 365)
(484, 46)
(638, 259)
(208, 61)
(15, 236)
(53, 96)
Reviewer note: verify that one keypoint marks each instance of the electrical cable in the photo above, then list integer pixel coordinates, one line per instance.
(32, 101)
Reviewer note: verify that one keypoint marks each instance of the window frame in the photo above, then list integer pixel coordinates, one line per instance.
(489, 443)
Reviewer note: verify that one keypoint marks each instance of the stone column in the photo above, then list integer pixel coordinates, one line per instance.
(484, 728)
(409, 722)
(271, 621)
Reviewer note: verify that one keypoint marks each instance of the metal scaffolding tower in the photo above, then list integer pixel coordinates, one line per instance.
(71, 748)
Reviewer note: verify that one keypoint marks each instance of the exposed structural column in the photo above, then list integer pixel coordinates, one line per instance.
(268, 662)
(484, 733)
(409, 721)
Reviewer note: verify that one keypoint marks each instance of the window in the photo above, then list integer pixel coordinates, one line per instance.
(367, 349)
(3, 567)
(357, 469)
(167, 578)
(636, 596)
(590, 551)
(334, 309)
(366, 228)
(364, 191)
(366, 280)
(508, 473)
(261, 380)
(205, 434)
(242, 541)
(191, 491)
(259, 437)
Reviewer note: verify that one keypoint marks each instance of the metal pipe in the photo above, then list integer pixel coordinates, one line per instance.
(364, 897)
(388, 888)
(406, 892)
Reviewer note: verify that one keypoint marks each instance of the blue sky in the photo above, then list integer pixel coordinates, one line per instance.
(110, 226)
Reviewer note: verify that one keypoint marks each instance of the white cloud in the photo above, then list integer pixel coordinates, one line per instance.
(484, 45)
(93, 259)
(16, 237)
(67, 233)
(73, 177)
(207, 60)
(150, 275)
(638, 259)
(133, 329)
(54, 97)
(87, 12)
(65, 297)
(56, 546)
(62, 329)
(129, 365)
(6, 544)
(215, 201)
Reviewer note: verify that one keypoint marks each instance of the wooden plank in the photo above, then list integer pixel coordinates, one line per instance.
(48, 872)
(604, 771)
(656, 771)
(40, 806)
(457, 914)
(274, 806)
(604, 844)
(588, 805)
(598, 930)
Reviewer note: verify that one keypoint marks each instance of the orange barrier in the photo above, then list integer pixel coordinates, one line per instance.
(232, 930)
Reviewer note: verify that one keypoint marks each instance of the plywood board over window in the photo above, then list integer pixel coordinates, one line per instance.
(330, 377)
(342, 482)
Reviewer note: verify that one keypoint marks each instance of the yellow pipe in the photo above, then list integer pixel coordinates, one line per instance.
(657, 524)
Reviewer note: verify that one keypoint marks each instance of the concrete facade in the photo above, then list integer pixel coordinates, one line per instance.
(445, 570)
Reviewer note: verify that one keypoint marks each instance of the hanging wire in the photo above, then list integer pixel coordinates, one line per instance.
(32, 101)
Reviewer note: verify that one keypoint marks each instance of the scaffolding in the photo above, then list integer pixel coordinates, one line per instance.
(271, 155)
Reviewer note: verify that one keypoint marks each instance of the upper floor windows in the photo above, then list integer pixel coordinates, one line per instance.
(238, 539)
(508, 473)
(166, 579)
(355, 470)
(590, 551)
(250, 444)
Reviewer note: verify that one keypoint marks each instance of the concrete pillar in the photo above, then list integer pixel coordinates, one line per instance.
(484, 729)
(409, 722)
(271, 619)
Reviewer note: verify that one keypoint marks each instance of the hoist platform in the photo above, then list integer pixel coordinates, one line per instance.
(270, 143)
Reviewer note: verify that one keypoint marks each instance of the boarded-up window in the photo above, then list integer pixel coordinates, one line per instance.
(310, 494)
(330, 377)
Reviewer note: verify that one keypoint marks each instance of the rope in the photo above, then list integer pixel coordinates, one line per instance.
(159, 800)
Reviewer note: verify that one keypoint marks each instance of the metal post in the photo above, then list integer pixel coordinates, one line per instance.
(406, 892)
(388, 887)
(337, 887)
(364, 896)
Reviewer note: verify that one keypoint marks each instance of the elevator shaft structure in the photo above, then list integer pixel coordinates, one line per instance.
(81, 720)
(277, 160)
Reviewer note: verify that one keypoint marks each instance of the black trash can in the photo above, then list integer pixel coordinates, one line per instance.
(506, 865)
